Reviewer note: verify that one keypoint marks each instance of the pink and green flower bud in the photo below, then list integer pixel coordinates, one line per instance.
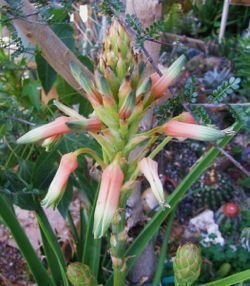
(84, 82)
(92, 124)
(58, 185)
(56, 127)
(113, 81)
(121, 68)
(102, 84)
(108, 198)
(102, 65)
(182, 131)
(143, 91)
(111, 59)
(92, 95)
(149, 169)
(160, 84)
(124, 90)
(187, 264)
(128, 106)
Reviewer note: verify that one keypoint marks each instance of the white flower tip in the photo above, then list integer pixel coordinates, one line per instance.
(229, 131)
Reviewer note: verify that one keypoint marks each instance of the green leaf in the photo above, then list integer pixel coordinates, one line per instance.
(36, 267)
(31, 90)
(46, 73)
(88, 63)
(51, 259)
(68, 96)
(65, 33)
(231, 280)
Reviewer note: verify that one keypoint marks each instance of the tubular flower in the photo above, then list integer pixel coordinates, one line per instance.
(56, 127)
(182, 131)
(149, 168)
(160, 84)
(108, 199)
(58, 185)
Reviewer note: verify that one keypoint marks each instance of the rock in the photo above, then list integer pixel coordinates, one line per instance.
(144, 268)
(204, 225)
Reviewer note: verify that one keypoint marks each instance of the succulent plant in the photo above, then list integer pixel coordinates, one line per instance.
(228, 219)
(187, 264)
(213, 190)
(213, 78)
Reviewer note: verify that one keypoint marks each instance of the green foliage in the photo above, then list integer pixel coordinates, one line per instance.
(46, 73)
(241, 60)
(111, 7)
(141, 33)
(216, 255)
(225, 89)
(173, 19)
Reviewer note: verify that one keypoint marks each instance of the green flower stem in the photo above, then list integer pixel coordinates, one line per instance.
(160, 147)
(93, 154)
(118, 242)
(91, 248)
(36, 267)
(52, 241)
(152, 132)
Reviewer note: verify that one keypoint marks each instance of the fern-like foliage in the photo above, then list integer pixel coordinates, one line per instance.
(201, 115)
(111, 7)
(152, 31)
(225, 89)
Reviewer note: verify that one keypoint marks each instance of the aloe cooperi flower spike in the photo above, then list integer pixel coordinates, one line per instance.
(108, 198)
(120, 94)
(57, 187)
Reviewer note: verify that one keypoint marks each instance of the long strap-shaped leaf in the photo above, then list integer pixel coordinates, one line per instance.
(154, 224)
(36, 267)
(231, 280)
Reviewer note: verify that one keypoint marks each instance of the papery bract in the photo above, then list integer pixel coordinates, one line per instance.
(108, 198)
(68, 164)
